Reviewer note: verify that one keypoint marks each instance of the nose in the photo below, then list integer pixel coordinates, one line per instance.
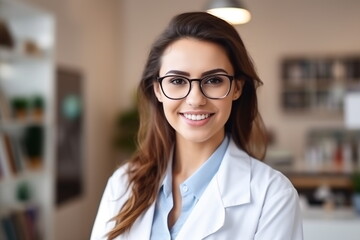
(196, 97)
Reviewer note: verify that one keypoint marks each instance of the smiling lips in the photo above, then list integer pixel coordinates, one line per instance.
(196, 117)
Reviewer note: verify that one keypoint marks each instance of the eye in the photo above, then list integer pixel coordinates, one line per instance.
(213, 80)
(177, 80)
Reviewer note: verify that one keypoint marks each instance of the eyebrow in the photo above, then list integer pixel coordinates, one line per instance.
(213, 71)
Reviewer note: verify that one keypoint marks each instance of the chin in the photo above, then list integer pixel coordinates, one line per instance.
(197, 137)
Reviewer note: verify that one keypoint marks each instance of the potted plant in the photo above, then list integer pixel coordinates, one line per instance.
(37, 105)
(355, 178)
(20, 107)
(23, 192)
(33, 145)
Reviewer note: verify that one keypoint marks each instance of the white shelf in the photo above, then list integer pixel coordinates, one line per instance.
(13, 125)
(26, 71)
(13, 56)
(7, 185)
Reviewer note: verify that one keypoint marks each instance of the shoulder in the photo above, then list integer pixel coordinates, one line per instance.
(269, 181)
(115, 194)
(260, 171)
(118, 183)
(278, 201)
(261, 178)
(120, 173)
(268, 200)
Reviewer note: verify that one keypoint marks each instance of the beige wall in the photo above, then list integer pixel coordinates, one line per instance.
(109, 41)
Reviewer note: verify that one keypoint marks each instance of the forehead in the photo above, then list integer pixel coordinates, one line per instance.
(195, 57)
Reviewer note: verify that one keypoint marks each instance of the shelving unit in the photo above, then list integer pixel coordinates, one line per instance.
(26, 72)
(317, 84)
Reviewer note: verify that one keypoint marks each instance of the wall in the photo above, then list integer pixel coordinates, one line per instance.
(86, 39)
(278, 28)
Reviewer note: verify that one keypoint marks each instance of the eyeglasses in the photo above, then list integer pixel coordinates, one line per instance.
(177, 87)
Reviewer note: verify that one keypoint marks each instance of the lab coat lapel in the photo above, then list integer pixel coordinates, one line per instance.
(229, 187)
(142, 226)
(234, 177)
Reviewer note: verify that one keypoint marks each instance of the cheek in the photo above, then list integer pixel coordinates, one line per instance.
(226, 109)
(170, 108)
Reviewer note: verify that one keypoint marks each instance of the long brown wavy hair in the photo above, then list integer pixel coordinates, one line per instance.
(156, 137)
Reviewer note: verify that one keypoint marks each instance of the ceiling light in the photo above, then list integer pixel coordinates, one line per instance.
(231, 11)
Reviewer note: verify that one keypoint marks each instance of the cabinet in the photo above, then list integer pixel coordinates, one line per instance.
(317, 84)
(26, 121)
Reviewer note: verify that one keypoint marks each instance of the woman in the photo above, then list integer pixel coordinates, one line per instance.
(195, 174)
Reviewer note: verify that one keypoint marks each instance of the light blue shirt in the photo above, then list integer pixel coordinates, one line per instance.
(191, 190)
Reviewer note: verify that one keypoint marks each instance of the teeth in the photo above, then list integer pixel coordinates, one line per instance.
(196, 117)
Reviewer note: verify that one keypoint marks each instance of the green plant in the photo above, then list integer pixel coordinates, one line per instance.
(37, 102)
(19, 103)
(34, 141)
(126, 128)
(23, 192)
(355, 178)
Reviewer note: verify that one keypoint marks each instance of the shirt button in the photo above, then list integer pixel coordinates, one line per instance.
(185, 188)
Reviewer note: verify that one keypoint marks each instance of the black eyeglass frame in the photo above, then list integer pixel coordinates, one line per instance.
(231, 78)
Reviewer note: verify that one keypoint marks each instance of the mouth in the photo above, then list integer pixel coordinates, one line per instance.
(196, 117)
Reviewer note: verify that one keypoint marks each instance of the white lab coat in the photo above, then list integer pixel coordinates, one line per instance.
(245, 200)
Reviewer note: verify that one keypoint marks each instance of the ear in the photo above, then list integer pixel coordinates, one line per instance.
(157, 91)
(238, 86)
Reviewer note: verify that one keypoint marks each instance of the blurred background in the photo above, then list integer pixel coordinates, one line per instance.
(68, 74)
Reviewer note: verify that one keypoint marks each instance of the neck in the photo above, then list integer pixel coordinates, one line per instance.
(189, 156)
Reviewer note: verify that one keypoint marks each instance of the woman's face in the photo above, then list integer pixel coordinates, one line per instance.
(197, 118)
